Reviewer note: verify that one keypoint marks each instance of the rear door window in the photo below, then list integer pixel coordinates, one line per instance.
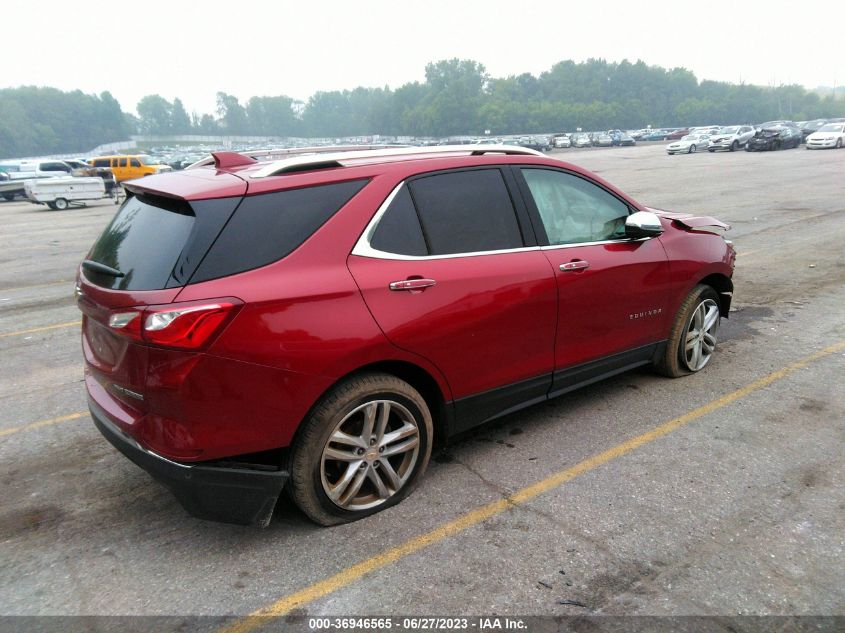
(466, 212)
(270, 226)
(399, 229)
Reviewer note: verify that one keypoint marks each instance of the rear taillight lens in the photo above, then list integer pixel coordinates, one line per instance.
(183, 326)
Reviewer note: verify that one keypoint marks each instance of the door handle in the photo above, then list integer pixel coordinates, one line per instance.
(412, 284)
(579, 264)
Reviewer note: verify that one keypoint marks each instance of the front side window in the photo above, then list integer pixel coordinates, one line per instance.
(574, 210)
(466, 212)
(133, 162)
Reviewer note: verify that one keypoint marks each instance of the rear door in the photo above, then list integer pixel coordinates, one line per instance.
(613, 291)
(451, 271)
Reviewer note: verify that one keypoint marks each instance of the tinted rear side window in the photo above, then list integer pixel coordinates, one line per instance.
(399, 229)
(143, 241)
(269, 226)
(467, 211)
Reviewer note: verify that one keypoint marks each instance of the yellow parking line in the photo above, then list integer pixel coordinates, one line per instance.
(52, 283)
(40, 329)
(349, 575)
(42, 423)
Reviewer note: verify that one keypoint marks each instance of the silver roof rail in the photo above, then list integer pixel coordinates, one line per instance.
(335, 159)
(270, 154)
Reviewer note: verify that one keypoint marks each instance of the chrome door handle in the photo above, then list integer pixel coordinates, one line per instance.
(577, 265)
(412, 284)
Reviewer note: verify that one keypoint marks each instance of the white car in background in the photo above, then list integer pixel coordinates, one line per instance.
(828, 135)
(731, 138)
(689, 144)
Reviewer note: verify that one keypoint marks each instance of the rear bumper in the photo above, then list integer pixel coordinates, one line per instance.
(215, 493)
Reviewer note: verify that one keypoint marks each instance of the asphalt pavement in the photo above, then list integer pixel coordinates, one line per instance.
(722, 493)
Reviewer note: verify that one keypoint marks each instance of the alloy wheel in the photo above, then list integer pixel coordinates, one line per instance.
(700, 339)
(370, 455)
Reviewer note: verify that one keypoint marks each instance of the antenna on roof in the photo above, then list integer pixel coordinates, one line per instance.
(224, 160)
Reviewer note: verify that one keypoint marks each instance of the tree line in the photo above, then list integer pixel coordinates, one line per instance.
(457, 97)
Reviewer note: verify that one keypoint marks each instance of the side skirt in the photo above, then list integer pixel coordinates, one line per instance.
(478, 409)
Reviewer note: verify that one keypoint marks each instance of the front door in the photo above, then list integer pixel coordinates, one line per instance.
(613, 291)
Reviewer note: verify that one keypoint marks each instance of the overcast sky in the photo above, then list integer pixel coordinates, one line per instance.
(192, 49)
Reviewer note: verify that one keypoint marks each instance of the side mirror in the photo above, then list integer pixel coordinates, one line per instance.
(643, 224)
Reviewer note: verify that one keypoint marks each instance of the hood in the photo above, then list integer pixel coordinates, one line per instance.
(693, 223)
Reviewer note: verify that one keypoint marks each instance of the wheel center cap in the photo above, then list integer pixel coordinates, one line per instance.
(371, 455)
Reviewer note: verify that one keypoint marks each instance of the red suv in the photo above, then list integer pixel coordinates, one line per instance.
(317, 321)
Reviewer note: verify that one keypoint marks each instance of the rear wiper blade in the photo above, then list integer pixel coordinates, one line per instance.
(97, 267)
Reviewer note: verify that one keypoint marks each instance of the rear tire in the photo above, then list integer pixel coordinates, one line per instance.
(344, 465)
(692, 340)
(60, 203)
(8, 197)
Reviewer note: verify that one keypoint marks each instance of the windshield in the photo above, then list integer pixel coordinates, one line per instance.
(688, 137)
(832, 127)
(729, 130)
(149, 160)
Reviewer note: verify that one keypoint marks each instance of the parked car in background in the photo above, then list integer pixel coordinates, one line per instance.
(730, 138)
(774, 138)
(538, 143)
(689, 144)
(808, 127)
(618, 137)
(26, 169)
(581, 139)
(128, 167)
(830, 135)
(602, 139)
(677, 135)
(655, 135)
(562, 141)
(470, 286)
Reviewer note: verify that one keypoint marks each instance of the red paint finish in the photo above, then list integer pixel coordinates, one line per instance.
(597, 303)
(320, 313)
(488, 321)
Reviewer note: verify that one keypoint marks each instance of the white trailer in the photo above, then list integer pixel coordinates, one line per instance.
(60, 193)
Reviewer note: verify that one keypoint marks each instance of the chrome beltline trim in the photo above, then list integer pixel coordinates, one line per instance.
(363, 249)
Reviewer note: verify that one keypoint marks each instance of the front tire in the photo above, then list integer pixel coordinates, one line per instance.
(692, 149)
(692, 340)
(838, 143)
(362, 449)
(734, 145)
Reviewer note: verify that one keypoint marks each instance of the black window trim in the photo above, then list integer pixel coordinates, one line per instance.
(534, 212)
(530, 242)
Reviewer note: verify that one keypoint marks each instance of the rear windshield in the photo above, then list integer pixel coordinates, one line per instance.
(158, 242)
(143, 242)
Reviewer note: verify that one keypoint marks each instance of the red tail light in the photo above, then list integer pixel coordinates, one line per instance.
(183, 326)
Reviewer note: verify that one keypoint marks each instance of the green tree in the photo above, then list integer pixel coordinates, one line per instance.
(154, 113)
(180, 122)
(232, 114)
